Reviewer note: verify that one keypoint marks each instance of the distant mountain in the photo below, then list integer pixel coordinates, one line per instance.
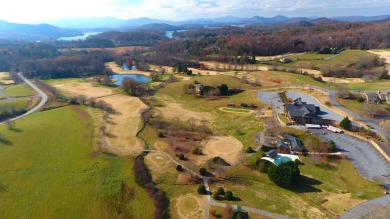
(361, 18)
(10, 30)
(118, 24)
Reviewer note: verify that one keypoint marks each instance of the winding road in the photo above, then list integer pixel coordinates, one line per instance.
(42, 94)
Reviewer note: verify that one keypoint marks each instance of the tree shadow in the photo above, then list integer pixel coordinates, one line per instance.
(16, 129)
(305, 185)
(6, 142)
(236, 199)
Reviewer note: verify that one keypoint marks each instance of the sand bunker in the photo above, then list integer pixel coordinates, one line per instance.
(227, 147)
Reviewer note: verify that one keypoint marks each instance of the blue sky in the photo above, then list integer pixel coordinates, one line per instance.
(26, 11)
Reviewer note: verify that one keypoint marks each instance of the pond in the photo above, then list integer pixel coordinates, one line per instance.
(139, 78)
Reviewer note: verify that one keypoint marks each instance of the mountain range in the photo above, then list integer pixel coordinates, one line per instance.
(77, 26)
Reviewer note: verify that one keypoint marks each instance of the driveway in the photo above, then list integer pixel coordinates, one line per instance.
(366, 159)
(273, 99)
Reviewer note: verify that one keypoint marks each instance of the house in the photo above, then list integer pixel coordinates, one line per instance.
(301, 112)
(285, 60)
(373, 97)
(272, 154)
(289, 143)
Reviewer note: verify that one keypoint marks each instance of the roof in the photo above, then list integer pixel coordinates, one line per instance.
(301, 109)
(272, 154)
(295, 143)
(282, 144)
(372, 96)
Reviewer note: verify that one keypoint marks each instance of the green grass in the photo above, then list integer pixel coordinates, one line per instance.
(284, 118)
(50, 170)
(19, 90)
(254, 189)
(235, 110)
(375, 85)
(346, 58)
(14, 105)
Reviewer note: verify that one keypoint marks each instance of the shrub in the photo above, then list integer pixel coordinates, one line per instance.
(215, 196)
(202, 171)
(197, 151)
(331, 145)
(360, 99)
(181, 156)
(220, 191)
(161, 135)
(265, 148)
(202, 190)
(346, 123)
(229, 195)
(249, 150)
(285, 174)
(179, 168)
(263, 165)
(327, 103)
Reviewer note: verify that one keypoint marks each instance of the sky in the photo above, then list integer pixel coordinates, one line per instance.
(37, 11)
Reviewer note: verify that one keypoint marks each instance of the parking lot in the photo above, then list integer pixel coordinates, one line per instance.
(366, 159)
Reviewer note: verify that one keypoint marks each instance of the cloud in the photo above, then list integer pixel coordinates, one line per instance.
(39, 10)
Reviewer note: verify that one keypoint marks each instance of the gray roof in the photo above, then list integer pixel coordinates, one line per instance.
(372, 96)
(272, 153)
(301, 109)
(295, 143)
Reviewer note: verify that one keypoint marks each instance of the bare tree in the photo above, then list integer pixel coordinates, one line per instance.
(386, 128)
(371, 108)
(154, 76)
(129, 85)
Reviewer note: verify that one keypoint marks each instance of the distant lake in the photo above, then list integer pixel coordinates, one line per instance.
(81, 37)
(139, 78)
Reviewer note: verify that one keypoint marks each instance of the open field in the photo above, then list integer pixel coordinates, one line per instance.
(5, 78)
(16, 103)
(324, 182)
(123, 125)
(19, 90)
(343, 59)
(220, 212)
(277, 78)
(45, 173)
(375, 85)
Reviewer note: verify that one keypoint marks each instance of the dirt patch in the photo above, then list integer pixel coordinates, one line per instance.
(33, 101)
(83, 115)
(266, 113)
(122, 126)
(227, 147)
(190, 206)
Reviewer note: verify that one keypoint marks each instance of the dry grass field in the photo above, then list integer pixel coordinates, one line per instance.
(123, 125)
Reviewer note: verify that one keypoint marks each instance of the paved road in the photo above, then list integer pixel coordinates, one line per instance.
(40, 93)
(360, 211)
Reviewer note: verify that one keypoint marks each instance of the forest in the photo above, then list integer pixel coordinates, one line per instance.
(229, 44)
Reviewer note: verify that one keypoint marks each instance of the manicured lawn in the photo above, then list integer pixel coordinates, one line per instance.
(19, 90)
(346, 58)
(375, 85)
(235, 110)
(50, 170)
(16, 104)
(321, 184)
(284, 118)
